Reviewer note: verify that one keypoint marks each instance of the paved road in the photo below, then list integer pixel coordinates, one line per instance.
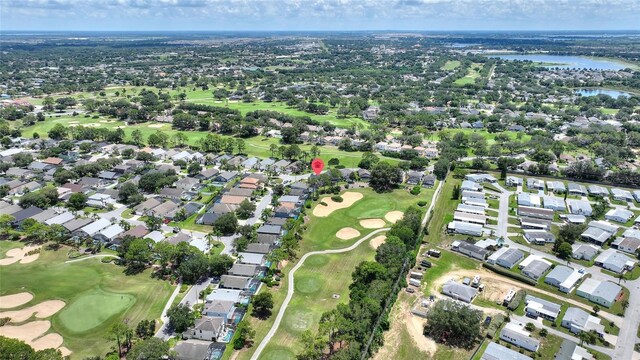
(91, 257)
(291, 287)
(190, 298)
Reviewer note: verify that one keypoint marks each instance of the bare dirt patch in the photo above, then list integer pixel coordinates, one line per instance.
(393, 216)
(372, 223)
(15, 300)
(347, 233)
(348, 199)
(41, 310)
(377, 241)
(155, 125)
(20, 254)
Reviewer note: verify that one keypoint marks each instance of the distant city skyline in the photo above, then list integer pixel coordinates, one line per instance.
(318, 15)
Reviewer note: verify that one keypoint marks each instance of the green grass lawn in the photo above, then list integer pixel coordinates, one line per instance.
(94, 294)
(451, 65)
(473, 73)
(490, 137)
(443, 207)
(93, 308)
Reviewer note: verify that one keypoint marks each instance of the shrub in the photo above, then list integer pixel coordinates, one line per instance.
(323, 203)
(422, 203)
(415, 190)
(106, 260)
(4, 320)
(337, 198)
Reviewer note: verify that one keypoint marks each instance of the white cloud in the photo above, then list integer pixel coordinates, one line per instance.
(324, 14)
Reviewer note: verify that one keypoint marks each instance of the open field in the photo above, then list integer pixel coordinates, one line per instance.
(451, 65)
(96, 295)
(473, 72)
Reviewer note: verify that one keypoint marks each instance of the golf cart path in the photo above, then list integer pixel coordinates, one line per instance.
(91, 257)
(291, 287)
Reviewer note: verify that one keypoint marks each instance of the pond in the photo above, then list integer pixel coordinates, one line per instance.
(593, 92)
(567, 61)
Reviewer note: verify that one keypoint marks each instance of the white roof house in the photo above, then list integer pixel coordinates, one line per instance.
(563, 277)
(60, 219)
(622, 195)
(516, 335)
(459, 291)
(554, 203)
(95, 227)
(528, 199)
(615, 261)
(600, 292)
(584, 251)
(109, 233)
(579, 207)
(619, 215)
(578, 320)
(464, 228)
(543, 308)
(498, 352)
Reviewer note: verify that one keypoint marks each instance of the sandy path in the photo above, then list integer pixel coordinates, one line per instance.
(347, 233)
(377, 241)
(42, 310)
(15, 300)
(20, 254)
(372, 223)
(393, 216)
(348, 199)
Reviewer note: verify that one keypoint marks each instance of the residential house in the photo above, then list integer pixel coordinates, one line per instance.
(531, 223)
(579, 207)
(535, 184)
(509, 258)
(513, 181)
(235, 282)
(597, 190)
(534, 212)
(629, 244)
(619, 215)
(470, 250)
(109, 233)
(498, 352)
(93, 228)
(615, 261)
(187, 184)
(206, 328)
(577, 189)
(554, 203)
(471, 186)
(556, 187)
(529, 200)
(223, 309)
(144, 207)
(603, 293)
(584, 251)
(24, 214)
(578, 320)
(76, 224)
(244, 270)
(563, 277)
(571, 351)
(621, 195)
(539, 237)
(537, 307)
(464, 228)
(516, 335)
(459, 291)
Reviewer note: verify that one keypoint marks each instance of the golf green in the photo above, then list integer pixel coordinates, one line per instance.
(94, 308)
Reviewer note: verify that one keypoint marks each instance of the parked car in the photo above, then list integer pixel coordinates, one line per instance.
(410, 290)
(425, 263)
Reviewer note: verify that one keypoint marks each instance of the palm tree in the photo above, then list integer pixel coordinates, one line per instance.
(118, 333)
(624, 304)
(583, 336)
(273, 148)
(209, 238)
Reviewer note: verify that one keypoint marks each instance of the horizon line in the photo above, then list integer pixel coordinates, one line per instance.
(332, 30)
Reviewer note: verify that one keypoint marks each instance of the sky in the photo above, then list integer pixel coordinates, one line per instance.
(300, 15)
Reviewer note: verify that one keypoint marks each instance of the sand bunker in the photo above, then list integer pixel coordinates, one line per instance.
(65, 352)
(347, 233)
(394, 216)
(25, 332)
(377, 241)
(20, 254)
(15, 300)
(49, 341)
(372, 223)
(348, 199)
(156, 125)
(42, 310)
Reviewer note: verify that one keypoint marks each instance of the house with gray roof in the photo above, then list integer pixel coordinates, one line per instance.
(498, 352)
(206, 328)
(597, 190)
(596, 235)
(60, 219)
(578, 320)
(628, 244)
(464, 228)
(615, 261)
(577, 189)
(563, 277)
(579, 207)
(459, 291)
(554, 203)
(76, 224)
(510, 258)
(539, 237)
(536, 269)
(470, 250)
(584, 251)
(235, 282)
(621, 195)
(513, 181)
(604, 293)
(543, 308)
(619, 215)
(571, 351)
(556, 187)
(93, 228)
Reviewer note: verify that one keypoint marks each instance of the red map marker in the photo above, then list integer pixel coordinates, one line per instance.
(317, 165)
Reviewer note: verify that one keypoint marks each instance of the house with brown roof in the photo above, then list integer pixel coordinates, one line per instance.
(232, 199)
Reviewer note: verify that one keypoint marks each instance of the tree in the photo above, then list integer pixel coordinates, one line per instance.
(227, 223)
(596, 309)
(262, 305)
(149, 349)
(153, 222)
(385, 177)
(146, 329)
(180, 317)
(454, 324)
(138, 255)
(219, 264)
(544, 332)
(240, 144)
(193, 268)
(440, 169)
(245, 209)
(529, 326)
(565, 251)
(77, 201)
(13, 349)
(136, 137)
(58, 132)
(129, 194)
(194, 168)
(118, 333)
(625, 304)
(244, 334)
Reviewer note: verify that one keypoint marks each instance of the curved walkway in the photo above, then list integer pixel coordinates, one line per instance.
(291, 287)
(92, 257)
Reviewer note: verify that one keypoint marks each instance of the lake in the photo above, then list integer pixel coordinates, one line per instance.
(593, 92)
(567, 61)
